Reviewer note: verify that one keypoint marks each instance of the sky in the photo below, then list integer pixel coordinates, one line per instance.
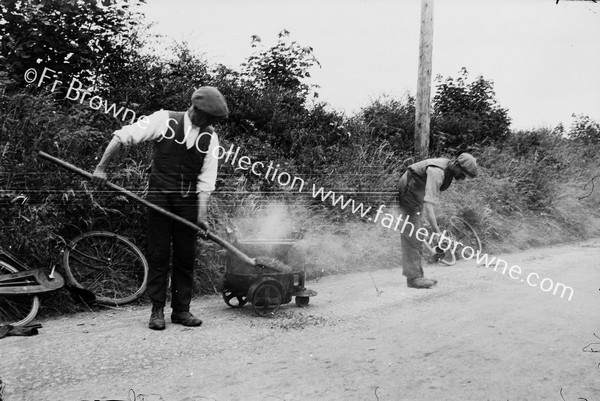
(543, 57)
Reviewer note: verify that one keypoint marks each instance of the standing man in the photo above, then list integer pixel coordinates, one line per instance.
(183, 175)
(419, 189)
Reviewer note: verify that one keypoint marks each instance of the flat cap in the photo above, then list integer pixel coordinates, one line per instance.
(211, 101)
(468, 163)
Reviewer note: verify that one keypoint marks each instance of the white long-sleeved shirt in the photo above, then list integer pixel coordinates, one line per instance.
(154, 128)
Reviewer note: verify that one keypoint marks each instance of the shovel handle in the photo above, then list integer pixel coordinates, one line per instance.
(159, 209)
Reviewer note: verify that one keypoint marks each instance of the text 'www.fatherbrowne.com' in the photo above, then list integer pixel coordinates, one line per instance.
(397, 223)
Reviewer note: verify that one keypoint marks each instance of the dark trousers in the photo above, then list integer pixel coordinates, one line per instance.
(164, 235)
(411, 246)
(410, 200)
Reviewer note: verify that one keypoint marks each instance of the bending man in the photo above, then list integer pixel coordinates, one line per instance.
(419, 189)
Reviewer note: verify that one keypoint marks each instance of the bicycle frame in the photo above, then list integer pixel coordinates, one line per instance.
(27, 281)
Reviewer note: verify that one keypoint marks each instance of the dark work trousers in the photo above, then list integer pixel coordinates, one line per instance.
(410, 200)
(164, 234)
(411, 246)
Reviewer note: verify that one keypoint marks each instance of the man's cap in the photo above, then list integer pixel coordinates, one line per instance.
(209, 100)
(468, 163)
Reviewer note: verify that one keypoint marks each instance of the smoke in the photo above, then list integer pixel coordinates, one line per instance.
(273, 221)
(276, 223)
(325, 247)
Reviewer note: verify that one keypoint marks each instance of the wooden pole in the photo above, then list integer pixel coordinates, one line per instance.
(424, 81)
(247, 259)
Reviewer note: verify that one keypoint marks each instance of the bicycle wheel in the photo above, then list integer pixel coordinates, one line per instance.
(108, 265)
(16, 310)
(465, 234)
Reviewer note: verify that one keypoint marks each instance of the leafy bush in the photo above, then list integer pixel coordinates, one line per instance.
(79, 38)
(283, 66)
(466, 114)
(392, 120)
(584, 130)
(48, 203)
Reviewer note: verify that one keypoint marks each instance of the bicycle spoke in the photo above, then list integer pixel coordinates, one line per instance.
(108, 265)
(96, 280)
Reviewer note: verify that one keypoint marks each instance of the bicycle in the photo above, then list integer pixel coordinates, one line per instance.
(19, 287)
(104, 264)
(461, 234)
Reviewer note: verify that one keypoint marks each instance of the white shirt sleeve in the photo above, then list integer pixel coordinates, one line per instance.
(147, 128)
(155, 126)
(208, 174)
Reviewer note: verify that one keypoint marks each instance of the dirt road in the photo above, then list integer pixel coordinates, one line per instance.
(478, 335)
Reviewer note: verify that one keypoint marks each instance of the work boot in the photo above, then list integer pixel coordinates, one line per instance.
(420, 282)
(185, 318)
(157, 319)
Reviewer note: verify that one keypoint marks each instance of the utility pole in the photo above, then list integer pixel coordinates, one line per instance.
(423, 101)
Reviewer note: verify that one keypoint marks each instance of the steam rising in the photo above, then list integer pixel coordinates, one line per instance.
(325, 247)
(272, 222)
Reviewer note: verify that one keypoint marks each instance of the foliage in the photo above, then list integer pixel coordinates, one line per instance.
(78, 38)
(269, 118)
(46, 205)
(466, 114)
(283, 66)
(147, 82)
(392, 120)
(584, 130)
(527, 168)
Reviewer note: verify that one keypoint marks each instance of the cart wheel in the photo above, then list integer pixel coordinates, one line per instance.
(267, 298)
(302, 301)
(233, 300)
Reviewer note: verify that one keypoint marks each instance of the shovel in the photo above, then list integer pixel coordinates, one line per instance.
(261, 262)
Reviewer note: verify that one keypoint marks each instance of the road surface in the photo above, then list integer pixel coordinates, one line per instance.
(478, 335)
